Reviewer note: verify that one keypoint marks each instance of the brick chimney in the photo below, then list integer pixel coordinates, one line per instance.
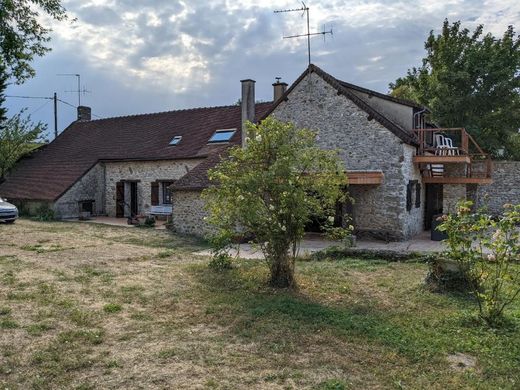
(278, 89)
(84, 113)
(248, 105)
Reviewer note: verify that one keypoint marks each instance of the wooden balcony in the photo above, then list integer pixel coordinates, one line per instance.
(451, 156)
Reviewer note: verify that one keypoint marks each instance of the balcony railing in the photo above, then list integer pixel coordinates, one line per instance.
(438, 147)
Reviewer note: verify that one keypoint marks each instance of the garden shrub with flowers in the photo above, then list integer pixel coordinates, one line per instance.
(487, 253)
(270, 189)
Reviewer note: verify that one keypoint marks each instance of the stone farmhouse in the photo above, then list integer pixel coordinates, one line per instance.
(401, 170)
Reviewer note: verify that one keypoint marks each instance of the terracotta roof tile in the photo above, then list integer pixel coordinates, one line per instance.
(48, 173)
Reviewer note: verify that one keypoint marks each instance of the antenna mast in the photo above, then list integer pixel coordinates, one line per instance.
(79, 90)
(305, 11)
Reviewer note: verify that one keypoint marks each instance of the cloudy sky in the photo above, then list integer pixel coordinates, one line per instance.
(140, 56)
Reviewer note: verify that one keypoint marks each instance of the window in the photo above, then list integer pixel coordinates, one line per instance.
(222, 135)
(410, 187)
(175, 140)
(166, 194)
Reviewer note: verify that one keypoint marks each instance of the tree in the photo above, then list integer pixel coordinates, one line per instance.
(18, 136)
(22, 36)
(3, 87)
(472, 80)
(271, 189)
(487, 251)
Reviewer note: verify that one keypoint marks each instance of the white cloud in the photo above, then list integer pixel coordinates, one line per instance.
(178, 53)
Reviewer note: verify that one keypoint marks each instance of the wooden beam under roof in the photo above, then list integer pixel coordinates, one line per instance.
(457, 180)
(442, 159)
(365, 177)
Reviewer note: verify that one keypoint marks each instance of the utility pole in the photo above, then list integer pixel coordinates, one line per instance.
(55, 115)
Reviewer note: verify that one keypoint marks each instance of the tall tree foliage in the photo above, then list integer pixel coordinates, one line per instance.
(18, 136)
(3, 87)
(22, 36)
(470, 79)
(271, 189)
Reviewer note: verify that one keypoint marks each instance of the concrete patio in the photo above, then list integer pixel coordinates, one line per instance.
(112, 221)
(310, 244)
(315, 243)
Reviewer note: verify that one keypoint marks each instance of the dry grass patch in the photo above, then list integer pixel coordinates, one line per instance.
(133, 308)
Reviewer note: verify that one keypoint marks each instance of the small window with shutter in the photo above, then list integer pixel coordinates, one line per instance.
(155, 193)
(409, 188)
(417, 195)
(166, 193)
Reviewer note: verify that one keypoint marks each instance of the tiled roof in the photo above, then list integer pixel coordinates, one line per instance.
(49, 172)
(197, 178)
(342, 88)
(383, 96)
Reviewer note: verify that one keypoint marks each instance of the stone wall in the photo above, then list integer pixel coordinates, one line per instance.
(189, 213)
(90, 187)
(145, 172)
(505, 187)
(364, 145)
(453, 193)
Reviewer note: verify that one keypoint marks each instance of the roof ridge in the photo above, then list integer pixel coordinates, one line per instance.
(167, 112)
(381, 118)
(369, 91)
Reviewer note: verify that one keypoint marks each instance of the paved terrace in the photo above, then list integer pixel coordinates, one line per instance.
(311, 243)
(315, 243)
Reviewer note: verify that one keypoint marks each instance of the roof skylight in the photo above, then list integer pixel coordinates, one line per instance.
(175, 140)
(222, 135)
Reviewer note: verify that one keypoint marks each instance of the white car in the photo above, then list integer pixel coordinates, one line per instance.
(8, 212)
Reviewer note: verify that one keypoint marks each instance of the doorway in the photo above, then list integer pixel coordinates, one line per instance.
(433, 206)
(120, 199)
(127, 201)
(133, 198)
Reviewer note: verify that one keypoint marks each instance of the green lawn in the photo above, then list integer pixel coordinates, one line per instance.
(88, 306)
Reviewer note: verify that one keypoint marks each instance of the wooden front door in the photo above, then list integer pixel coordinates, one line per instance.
(133, 198)
(120, 199)
(433, 205)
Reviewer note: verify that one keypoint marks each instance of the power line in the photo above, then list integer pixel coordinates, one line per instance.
(67, 103)
(49, 98)
(39, 108)
(29, 97)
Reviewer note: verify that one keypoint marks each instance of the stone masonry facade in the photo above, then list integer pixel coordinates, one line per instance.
(91, 186)
(99, 185)
(505, 187)
(363, 144)
(189, 213)
(145, 172)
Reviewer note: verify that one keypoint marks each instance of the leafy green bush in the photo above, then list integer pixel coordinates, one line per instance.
(271, 189)
(44, 213)
(149, 222)
(487, 252)
(221, 244)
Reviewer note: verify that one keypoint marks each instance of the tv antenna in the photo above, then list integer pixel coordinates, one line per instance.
(79, 91)
(305, 11)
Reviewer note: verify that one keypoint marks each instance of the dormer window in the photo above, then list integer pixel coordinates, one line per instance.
(175, 140)
(222, 135)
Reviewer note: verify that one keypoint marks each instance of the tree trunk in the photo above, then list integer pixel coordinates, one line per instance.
(282, 272)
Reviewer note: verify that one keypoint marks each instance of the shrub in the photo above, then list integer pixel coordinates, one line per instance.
(487, 252)
(271, 189)
(221, 244)
(149, 222)
(44, 213)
